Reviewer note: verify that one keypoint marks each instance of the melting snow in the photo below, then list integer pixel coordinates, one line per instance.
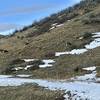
(87, 77)
(18, 68)
(80, 87)
(94, 44)
(54, 24)
(96, 35)
(29, 60)
(59, 25)
(5, 76)
(23, 75)
(52, 28)
(74, 51)
(90, 68)
(47, 63)
(28, 66)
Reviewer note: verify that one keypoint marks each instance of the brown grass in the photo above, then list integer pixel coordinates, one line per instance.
(28, 92)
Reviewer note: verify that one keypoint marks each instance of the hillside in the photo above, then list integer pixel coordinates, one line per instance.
(2, 36)
(44, 45)
(45, 24)
(60, 52)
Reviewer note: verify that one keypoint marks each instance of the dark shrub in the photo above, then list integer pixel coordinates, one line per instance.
(50, 55)
(69, 94)
(60, 98)
(34, 67)
(91, 21)
(35, 63)
(3, 51)
(87, 35)
(17, 61)
(26, 43)
(8, 70)
(73, 47)
(77, 69)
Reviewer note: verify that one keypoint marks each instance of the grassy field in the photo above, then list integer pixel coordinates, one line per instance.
(29, 92)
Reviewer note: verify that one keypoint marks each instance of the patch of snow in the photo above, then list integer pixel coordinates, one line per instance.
(23, 75)
(98, 80)
(87, 77)
(68, 20)
(18, 68)
(47, 63)
(90, 68)
(80, 38)
(60, 53)
(73, 52)
(5, 76)
(96, 35)
(93, 44)
(59, 25)
(54, 24)
(29, 60)
(28, 66)
(77, 51)
(81, 88)
(52, 28)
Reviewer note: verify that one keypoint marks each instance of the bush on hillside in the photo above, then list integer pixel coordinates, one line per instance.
(50, 55)
(87, 35)
(16, 61)
(93, 19)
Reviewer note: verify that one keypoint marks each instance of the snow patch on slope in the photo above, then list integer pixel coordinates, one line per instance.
(94, 44)
(47, 63)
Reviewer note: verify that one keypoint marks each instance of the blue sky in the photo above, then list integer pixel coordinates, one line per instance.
(17, 13)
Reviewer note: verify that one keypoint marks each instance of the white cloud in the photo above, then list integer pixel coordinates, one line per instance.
(22, 10)
(34, 8)
(5, 26)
